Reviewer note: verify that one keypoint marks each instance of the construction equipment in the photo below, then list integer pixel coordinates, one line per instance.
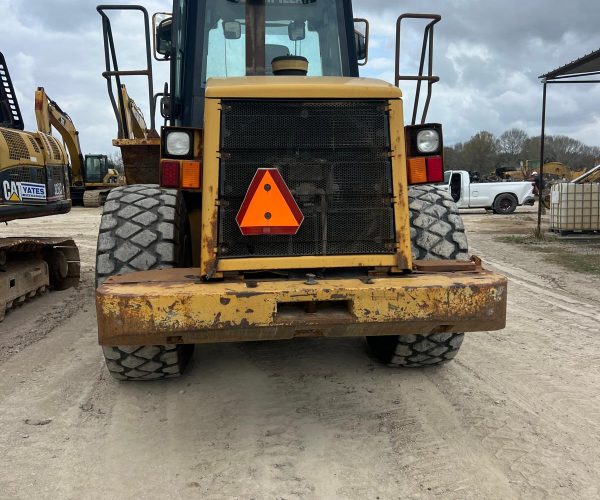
(591, 176)
(555, 169)
(292, 200)
(91, 176)
(33, 183)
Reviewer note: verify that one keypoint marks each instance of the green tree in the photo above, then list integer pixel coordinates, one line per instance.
(453, 157)
(480, 153)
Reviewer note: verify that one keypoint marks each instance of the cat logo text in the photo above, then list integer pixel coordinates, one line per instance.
(21, 191)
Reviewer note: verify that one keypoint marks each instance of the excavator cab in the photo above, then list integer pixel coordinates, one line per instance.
(96, 170)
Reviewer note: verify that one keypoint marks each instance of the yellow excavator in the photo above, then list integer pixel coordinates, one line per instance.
(91, 176)
(553, 171)
(34, 182)
(591, 176)
(525, 171)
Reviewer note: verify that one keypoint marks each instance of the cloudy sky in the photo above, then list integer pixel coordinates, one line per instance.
(488, 56)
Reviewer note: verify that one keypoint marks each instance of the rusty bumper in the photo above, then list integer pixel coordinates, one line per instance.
(175, 306)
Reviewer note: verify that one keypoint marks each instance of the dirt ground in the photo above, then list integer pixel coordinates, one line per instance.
(516, 415)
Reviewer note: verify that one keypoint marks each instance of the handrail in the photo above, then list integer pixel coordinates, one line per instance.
(427, 48)
(112, 66)
(10, 112)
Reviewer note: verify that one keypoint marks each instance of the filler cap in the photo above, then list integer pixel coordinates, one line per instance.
(290, 66)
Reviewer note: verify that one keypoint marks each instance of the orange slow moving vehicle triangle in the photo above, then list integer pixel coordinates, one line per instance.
(269, 207)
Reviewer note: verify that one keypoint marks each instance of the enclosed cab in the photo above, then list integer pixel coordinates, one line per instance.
(293, 200)
(95, 180)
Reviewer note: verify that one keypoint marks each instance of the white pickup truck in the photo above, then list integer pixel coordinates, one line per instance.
(501, 197)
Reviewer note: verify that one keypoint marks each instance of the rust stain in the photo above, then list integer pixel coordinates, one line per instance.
(146, 311)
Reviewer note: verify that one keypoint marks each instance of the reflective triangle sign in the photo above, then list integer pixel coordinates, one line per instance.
(269, 207)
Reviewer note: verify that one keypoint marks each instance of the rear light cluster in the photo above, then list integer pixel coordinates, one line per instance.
(425, 170)
(425, 149)
(181, 151)
(181, 174)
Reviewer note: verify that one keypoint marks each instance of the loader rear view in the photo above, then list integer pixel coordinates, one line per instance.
(292, 200)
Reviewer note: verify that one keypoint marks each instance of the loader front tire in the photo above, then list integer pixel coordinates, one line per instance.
(143, 227)
(437, 233)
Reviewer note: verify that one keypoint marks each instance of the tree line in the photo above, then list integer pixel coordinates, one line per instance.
(484, 152)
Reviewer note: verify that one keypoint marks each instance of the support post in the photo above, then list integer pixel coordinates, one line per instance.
(541, 173)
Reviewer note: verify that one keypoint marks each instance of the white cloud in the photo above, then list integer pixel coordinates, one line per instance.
(487, 54)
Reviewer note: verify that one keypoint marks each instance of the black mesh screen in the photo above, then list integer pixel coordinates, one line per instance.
(334, 157)
(56, 181)
(27, 174)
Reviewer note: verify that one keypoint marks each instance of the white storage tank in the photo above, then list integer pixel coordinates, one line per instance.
(575, 207)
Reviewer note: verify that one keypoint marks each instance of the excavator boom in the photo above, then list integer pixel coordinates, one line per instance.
(91, 179)
(48, 114)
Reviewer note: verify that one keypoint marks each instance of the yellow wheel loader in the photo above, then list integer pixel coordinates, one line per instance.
(34, 182)
(286, 197)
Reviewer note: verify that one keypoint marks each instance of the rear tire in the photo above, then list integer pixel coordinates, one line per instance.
(505, 204)
(151, 362)
(143, 227)
(416, 351)
(437, 233)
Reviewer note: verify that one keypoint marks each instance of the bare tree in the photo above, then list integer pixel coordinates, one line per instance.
(115, 161)
(510, 145)
(484, 152)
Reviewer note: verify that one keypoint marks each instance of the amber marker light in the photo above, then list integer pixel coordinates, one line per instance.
(191, 174)
(417, 170)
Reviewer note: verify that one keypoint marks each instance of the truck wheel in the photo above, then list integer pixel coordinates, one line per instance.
(437, 233)
(505, 204)
(143, 227)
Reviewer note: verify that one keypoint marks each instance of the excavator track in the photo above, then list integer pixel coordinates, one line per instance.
(93, 198)
(31, 266)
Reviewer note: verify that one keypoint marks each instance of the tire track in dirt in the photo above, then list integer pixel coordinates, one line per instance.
(544, 419)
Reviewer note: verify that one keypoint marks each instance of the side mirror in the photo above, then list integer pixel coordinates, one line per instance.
(232, 30)
(165, 107)
(361, 41)
(163, 35)
(297, 31)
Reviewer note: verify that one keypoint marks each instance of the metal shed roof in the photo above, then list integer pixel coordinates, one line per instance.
(586, 65)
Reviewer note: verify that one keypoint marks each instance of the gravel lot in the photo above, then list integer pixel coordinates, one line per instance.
(516, 415)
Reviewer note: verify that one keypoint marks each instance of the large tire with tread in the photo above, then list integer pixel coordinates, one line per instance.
(437, 233)
(505, 204)
(143, 227)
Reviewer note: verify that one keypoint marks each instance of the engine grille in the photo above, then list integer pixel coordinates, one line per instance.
(17, 150)
(334, 157)
(27, 174)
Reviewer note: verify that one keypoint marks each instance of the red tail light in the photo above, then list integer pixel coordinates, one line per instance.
(435, 169)
(170, 175)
